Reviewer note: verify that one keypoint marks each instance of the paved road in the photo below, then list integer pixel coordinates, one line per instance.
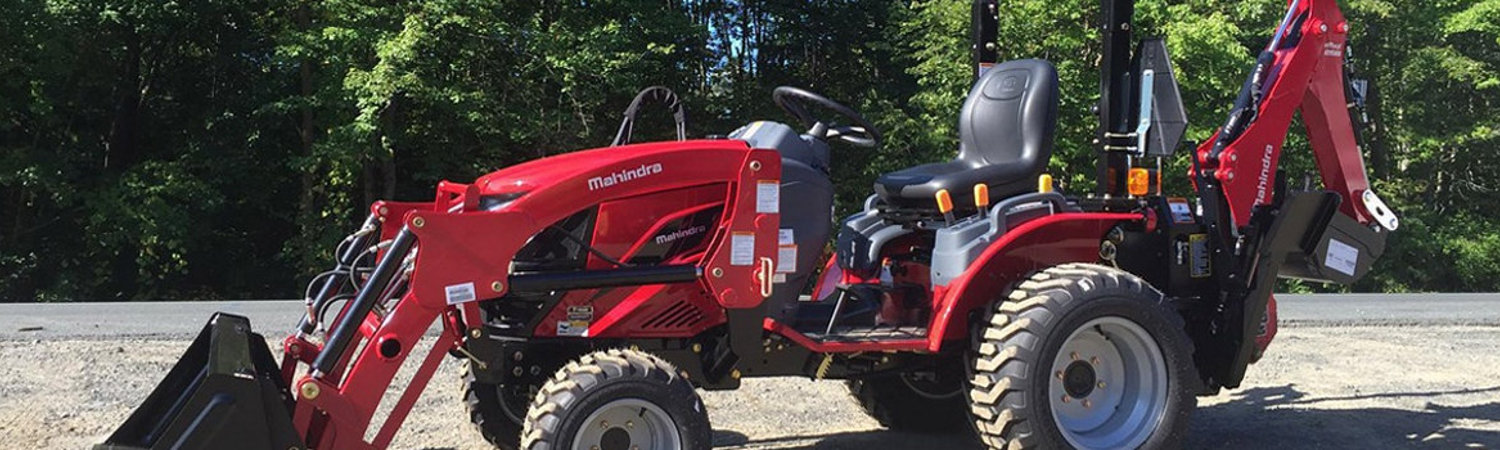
(1390, 309)
(179, 319)
(138, 319)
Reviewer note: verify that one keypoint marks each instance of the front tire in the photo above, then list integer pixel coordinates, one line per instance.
(496, 410)
(1083, 356)
(617, 400)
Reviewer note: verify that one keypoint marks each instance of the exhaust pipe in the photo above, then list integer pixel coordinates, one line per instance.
(224, 393)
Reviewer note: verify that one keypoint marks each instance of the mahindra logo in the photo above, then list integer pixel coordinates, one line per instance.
(645, 170)
(1265, 175)
(679, 234)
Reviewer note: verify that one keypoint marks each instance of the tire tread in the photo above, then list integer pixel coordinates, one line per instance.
(1012, 341)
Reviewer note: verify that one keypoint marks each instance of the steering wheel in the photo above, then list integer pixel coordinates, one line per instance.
(860, 134)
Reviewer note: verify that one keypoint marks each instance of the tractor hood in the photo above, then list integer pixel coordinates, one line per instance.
(598, 173)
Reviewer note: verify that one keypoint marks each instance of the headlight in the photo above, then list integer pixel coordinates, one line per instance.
(497, 201)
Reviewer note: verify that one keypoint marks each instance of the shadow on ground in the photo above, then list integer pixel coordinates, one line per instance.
(862, 440)
(1282, 415)
(1255, 418)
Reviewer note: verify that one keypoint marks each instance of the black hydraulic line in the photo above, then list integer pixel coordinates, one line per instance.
(589, 279)
(331, 284)
(589, 248)
(343, 334)
(1246, 105)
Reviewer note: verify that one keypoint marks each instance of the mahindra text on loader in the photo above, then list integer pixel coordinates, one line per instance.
(591, 293)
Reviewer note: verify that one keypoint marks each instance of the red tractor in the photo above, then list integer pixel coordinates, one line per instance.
(591, 293)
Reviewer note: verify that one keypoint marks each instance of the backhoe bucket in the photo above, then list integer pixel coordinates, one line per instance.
(225, 393)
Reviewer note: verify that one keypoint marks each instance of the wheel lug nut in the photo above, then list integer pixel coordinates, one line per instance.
(1059, 374)
(604, 424)
(1087, 403)
(629, 424)
(1101, 385)
(1073, 355)
(1066, 399)
(1094, 360)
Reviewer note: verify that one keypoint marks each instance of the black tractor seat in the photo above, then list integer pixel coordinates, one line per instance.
(1005, 139)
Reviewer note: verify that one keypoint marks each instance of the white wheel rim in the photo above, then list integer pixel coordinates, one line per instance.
(628, 424)
(1108, 385)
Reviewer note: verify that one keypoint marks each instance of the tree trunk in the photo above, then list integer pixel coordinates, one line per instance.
(1375, 135)
(308, 204)
(120, 149)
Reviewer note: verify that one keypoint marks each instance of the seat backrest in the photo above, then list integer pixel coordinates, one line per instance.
(1010, 116)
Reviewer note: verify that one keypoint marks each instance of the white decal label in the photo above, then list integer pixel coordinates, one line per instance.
(579, 317)
(786, 259)
(1333, 50)
(611, 179)
(1263, 185)
(786, 237)
(1181, 212)
(779, 278)
(679, 234)
(741, 248)
(572, 328)
(1341, 257)
(460, 293)
(767, 196)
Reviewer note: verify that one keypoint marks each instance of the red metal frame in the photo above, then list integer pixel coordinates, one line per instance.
(1310, 80)
(1032, 246)
(459, 245)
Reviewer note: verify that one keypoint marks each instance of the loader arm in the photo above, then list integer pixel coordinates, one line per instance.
(434, 263)
(1257, 229)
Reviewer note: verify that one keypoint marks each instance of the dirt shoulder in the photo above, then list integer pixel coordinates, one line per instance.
(1336, 387)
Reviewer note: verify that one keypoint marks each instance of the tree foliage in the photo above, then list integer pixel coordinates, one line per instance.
(217, 149)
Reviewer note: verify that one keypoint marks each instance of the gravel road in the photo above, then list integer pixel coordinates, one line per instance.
(1430, 382)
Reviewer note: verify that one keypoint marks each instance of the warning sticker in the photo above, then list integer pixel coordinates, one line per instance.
(578, 328)
(1181, 211)
(460, 293)
(582, 312)
(1341, 257)
(786, 237)
(778, 278)
(741, 248)
(1198, 247)
(786, 258)
(767, 196)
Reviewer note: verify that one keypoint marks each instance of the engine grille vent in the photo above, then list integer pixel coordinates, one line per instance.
(679, 315)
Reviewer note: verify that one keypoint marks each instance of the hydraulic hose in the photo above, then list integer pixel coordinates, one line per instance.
(364, 301)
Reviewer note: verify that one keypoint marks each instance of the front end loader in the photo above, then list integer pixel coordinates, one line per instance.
(590, 294)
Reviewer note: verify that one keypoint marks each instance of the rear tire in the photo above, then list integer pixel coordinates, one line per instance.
(617, 400)
(1127, 354)
(494, 410)
(935, 403)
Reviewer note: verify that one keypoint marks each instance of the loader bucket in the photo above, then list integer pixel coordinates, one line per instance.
(225, 393)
